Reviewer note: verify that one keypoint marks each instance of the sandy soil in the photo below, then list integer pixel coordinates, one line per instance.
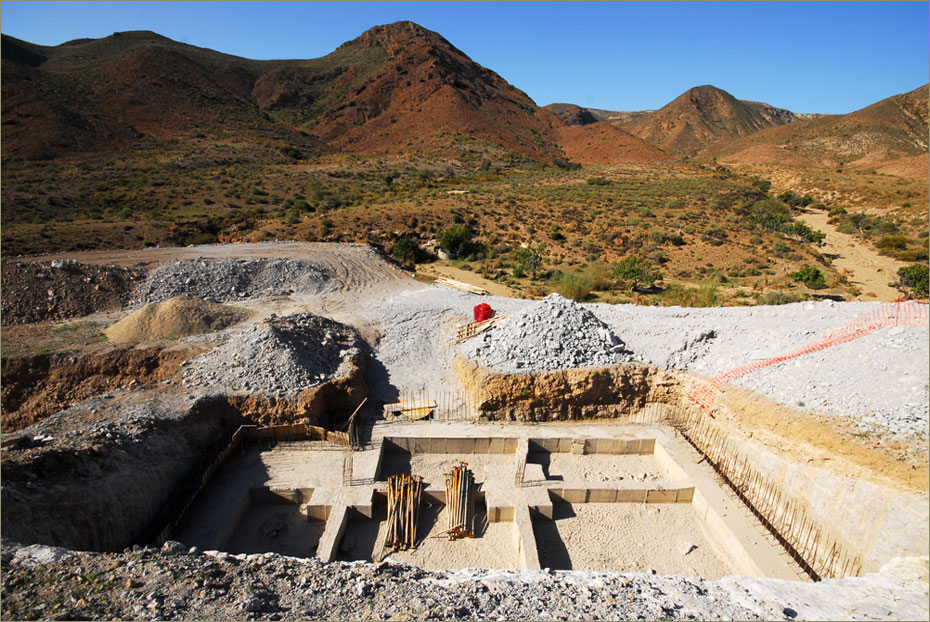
(597, 467)
(467, 276)
(494, 544)
(665, 538)
(870, 272)
(278, 528)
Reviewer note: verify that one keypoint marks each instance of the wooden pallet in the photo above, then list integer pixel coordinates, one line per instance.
(467, 331)
(471, 289)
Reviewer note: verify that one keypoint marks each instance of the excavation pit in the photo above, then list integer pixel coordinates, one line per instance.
(606, 497)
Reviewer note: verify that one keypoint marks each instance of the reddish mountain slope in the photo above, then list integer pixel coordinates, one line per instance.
(602, 143)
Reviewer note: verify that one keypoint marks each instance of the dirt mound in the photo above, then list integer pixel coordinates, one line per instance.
(56, 290)
(175, 318)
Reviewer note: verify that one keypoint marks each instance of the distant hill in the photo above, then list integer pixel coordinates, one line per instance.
(891, 133)
(701, 116)
(571, 114)
(576, 115)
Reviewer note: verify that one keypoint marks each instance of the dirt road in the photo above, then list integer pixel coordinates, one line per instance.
(867, 270)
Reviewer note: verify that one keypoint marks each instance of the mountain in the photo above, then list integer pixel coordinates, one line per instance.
(396, 88)
(701, 116)
(890, 133)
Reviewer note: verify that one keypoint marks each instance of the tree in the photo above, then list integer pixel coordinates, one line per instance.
(529, 260)
(913, 280)
(636, 271)
(770, 213)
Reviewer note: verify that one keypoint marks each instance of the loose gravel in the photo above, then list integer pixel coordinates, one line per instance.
(277, 355)
(554, 333)
(178, 583)
(227, 280)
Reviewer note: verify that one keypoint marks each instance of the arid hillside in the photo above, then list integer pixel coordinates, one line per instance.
(701, 116)
(893, 129)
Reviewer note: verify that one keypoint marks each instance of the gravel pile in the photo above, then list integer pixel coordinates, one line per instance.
(226, 280)
(554, 333)
(278, 355)
(177, 583)
(61, 289)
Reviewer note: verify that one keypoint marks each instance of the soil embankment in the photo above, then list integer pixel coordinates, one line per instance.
(35, 387)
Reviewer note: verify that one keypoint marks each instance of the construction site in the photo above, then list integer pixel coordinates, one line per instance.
(345, 416)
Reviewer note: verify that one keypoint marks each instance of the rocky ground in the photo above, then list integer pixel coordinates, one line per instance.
(180, 583)
(879, 382)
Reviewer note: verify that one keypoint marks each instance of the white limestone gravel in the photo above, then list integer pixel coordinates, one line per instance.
(277, 355)
(554, 333)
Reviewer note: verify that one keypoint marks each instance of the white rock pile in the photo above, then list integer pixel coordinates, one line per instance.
(230, 279)
(554, 333)
(279, 355)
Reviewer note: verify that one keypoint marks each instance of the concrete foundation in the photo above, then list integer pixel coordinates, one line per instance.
(546, 495)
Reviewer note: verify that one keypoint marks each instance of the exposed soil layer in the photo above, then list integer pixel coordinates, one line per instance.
(35, 387)
(570, 393)
(60, 289)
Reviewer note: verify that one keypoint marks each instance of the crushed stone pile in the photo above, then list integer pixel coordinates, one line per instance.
(175, 318)
(230, 279)
(62, 289)
(277, 355)
(554, 333)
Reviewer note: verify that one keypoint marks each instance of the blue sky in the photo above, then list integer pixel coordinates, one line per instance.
(828, 57)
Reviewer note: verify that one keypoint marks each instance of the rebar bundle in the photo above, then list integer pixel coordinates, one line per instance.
(460, 502)
(403, 504)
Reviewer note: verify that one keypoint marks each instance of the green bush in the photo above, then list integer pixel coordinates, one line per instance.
(804, 232)
(528, 260)
(913, 280)
(406, 250)
(892, 243)
(810, 276)
(456, 240)
(573, 285)
(598, 181)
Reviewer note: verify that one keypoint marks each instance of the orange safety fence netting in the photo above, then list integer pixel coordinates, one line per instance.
(899, 313)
